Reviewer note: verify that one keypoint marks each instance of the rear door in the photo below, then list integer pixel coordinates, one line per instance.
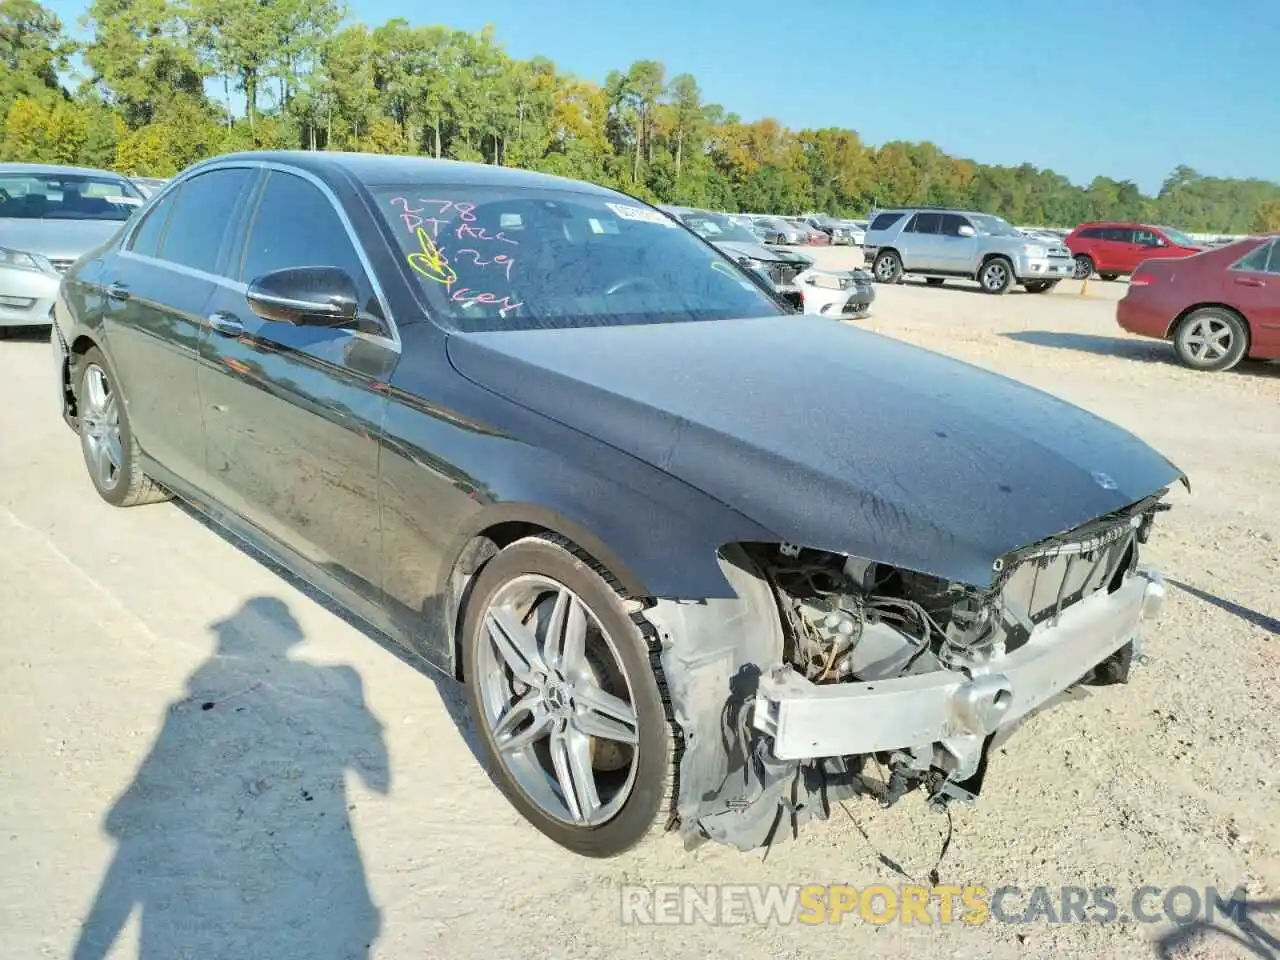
(920, 243)
(156, 289)
(293, 414)
(1254, 288)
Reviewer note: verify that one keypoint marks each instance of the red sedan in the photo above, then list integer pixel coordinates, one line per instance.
(1218, 306)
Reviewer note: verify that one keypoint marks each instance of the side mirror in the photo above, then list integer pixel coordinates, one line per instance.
(966, 231)
(305, 296)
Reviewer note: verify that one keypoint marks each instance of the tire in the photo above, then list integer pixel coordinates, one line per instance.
(634, 784)
(106, 439)
(934, 281)
(1084, 266)
(1108, 276)
(887, 267)
(1041, 286)
(1211, 339)
(996, 276)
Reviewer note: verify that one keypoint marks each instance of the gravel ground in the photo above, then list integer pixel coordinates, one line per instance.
(202, 760)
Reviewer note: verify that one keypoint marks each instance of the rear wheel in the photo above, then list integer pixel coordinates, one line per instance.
(564, 690)
(1108, 276)
(887, 267)
(1084, 266)
(996, 276)
(1211, 339)
(106, 439)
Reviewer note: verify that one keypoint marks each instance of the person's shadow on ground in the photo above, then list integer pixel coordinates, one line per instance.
(234, 838)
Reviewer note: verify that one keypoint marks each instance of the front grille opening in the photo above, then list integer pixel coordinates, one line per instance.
(1124, 567)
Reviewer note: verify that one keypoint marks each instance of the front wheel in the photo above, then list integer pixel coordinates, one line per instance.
(1084, 266)
(1211, 339)
(106, 438)
(565, 694)
(996, 276)
(887, 267)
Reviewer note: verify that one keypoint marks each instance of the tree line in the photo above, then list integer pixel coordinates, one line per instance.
(140, 103)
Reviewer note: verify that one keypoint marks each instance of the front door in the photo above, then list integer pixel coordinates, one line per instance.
(956, 253)
(293, 414)
(155, 291)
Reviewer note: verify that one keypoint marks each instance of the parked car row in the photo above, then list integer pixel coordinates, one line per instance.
(833, 293)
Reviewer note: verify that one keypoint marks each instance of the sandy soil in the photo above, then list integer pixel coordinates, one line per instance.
(201, 760)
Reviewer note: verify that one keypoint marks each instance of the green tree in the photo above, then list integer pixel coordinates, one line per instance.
(33, 50)
(1267, 219)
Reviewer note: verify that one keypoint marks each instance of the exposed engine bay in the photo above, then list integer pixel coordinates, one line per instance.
(886, 680)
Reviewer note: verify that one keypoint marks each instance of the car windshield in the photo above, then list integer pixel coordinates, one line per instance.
(502, 259)
(66, 196)
(1177, 237)
(989, 226)
(716, 228)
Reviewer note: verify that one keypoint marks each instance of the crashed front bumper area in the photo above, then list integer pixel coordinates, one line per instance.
(830, 676)
(956, 709)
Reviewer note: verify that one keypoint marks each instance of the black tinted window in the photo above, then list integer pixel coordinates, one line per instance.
(885, 220)
(1257, 260)
(201, 215)
(146, 239)
(1093, 233)
(925, 223)
(297, 226)
(951, 224)
(1118, 234)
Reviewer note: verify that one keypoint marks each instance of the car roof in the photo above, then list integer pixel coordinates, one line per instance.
(47, 168)
(375, 170)
(1120, 223)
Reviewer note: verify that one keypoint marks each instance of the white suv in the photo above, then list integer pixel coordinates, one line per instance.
(941, 244)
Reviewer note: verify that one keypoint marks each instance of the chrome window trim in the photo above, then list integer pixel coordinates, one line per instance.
(393, 341)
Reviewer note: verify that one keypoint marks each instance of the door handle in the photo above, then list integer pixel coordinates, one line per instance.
(118, 291)
(1250, 282)
(227, 324)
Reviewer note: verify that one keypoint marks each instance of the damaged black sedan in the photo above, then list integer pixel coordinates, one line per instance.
(702, 564)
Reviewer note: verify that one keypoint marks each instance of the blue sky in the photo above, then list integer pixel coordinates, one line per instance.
(1124, 89)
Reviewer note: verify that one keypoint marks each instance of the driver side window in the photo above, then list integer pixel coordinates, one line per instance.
(295, 225)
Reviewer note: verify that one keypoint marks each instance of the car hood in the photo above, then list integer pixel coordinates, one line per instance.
(829, 436)
(758, 251)
(57, 239)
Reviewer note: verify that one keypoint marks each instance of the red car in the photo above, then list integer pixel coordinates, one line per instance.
(1115, 248)
(1218, 307)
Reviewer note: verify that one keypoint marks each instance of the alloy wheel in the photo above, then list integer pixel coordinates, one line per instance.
(100, 427)
(558, 702)
(995, 275)
(1083, 268)
(1209, 339)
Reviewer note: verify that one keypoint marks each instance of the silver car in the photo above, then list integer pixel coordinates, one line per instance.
(49, 216)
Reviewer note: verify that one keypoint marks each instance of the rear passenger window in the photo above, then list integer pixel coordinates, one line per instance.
(146, 239)
(201, 214)
(1093, 233)
(297, 226)
(1118, 235)
(884, 221)
(925, 223)
(1257, 260)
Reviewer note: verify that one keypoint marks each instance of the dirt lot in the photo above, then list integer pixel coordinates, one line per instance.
(201, 760)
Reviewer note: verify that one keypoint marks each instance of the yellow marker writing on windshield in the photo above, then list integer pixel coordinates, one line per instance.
(430, 261)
